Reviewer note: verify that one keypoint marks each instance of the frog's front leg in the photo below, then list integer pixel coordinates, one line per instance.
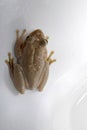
(49, 58)
(16, 74)
(19, 45)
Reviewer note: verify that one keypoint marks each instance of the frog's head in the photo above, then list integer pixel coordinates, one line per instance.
(38, 36)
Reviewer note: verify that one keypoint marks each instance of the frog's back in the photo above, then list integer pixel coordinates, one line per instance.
(33, 65)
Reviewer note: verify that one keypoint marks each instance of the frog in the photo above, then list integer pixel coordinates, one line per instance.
(30, 69)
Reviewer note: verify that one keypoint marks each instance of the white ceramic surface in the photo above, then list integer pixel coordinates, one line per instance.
(63, 103)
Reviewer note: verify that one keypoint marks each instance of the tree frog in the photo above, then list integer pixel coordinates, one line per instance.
(31, 68)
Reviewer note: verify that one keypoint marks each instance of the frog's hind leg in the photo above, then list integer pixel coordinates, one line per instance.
(19, 45)
(43, 77)
(49, 58)
(16, 74)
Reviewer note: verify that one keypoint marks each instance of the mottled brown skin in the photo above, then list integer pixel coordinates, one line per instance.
(32, 67)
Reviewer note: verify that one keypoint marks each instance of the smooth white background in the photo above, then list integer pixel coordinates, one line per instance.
(63, 103)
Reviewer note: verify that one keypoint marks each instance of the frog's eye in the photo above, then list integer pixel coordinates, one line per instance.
(29, 38)
(43, 42)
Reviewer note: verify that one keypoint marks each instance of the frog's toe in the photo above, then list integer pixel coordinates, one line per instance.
(22, 34)
(51, 53)
(51, 61)
(17, 33)
(10, 60)
(49, 58)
